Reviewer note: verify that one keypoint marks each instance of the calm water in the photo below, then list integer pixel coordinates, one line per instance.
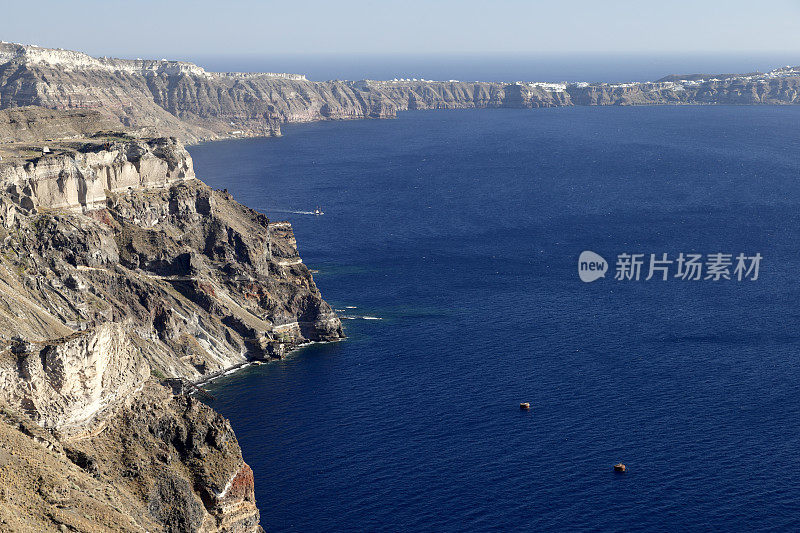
(461, 231)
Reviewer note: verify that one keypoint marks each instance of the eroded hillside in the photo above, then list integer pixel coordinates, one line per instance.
(123, 276)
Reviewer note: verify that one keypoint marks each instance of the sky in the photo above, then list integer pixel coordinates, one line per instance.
(176, 29)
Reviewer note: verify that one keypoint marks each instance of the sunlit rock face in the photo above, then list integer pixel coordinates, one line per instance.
(80, 180)
(122, 273)
(160, 97)
(65, 383)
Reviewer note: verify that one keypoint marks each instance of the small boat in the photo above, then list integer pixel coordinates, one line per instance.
(620, 467)
(318, 211)
(525, 406)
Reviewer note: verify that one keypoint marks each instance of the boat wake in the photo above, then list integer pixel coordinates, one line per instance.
(291, 211)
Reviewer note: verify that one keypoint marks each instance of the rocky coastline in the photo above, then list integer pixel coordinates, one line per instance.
(155, 98)
(124, 276)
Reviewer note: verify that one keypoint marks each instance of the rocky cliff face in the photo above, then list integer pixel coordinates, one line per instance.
(33, 124)
(176, 98)
(63, 384)
(127, 233)
(89, 443)
(120, 270)
(157, 462)
(81, 180)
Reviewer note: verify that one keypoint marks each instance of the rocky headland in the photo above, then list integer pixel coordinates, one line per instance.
(125, 279)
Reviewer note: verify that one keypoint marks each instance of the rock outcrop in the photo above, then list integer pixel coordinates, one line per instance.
(64, 384)
(177, 458)
(81, 180)
(158, 463)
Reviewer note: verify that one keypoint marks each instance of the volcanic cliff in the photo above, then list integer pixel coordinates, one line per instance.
(123, 273)
(181, 99)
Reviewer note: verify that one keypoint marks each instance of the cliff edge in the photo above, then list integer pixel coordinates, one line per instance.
(123, 277)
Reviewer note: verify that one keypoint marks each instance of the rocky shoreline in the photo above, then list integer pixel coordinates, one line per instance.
(122, 271)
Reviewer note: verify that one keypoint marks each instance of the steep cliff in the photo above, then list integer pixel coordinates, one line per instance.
(156, 98)
(157, 462)
(80, 180)
(127, 233)
(121, 272)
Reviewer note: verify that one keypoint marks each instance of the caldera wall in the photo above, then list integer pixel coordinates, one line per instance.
(80, 180)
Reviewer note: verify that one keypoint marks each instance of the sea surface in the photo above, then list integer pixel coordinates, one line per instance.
(460, 231)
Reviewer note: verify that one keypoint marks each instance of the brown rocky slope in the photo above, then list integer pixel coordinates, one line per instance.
(121, 270)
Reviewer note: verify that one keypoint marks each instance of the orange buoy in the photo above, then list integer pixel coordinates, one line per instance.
(525, 406)
(619, 467)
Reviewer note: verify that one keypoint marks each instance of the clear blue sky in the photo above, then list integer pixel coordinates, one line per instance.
(174, 29)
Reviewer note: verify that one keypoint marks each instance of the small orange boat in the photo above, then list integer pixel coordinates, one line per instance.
(525, 406)
(619, 467)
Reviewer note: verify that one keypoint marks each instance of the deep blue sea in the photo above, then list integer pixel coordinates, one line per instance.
(461, 231)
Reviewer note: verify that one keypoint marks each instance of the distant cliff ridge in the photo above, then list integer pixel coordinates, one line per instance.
(250, 75)
(161, 97)
(67, 60)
